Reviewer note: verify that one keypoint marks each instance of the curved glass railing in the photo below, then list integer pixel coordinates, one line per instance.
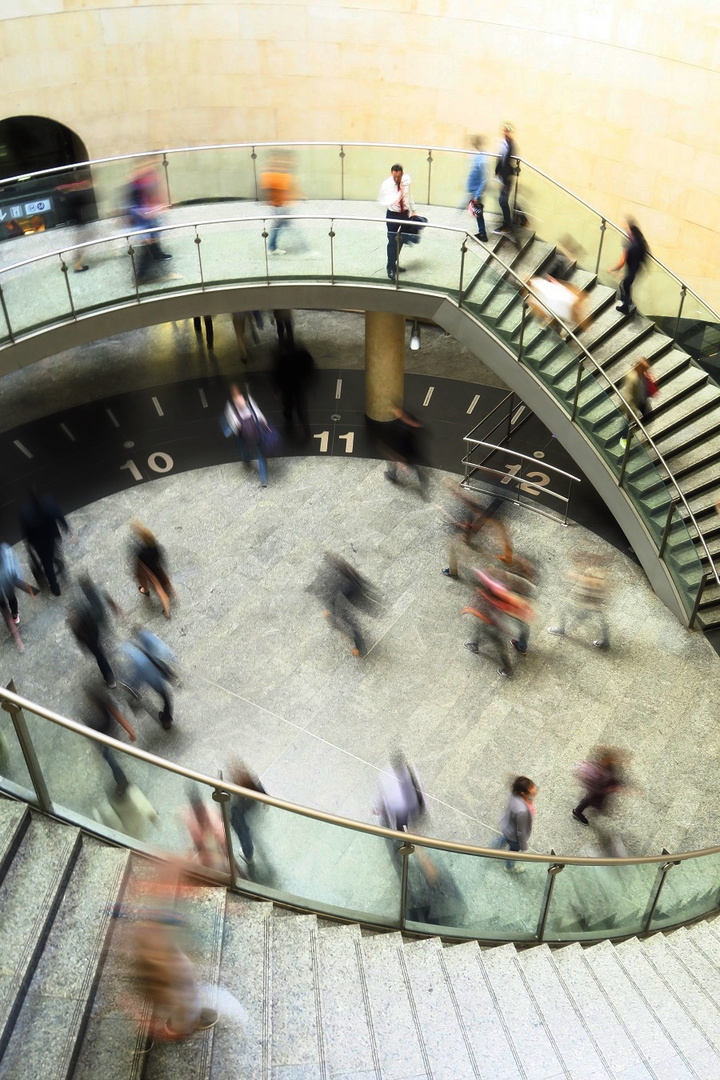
(235, 251)
(348, 869)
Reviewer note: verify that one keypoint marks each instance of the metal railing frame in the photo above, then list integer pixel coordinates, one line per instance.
(518, 478)
(222, 790)
(469, 244)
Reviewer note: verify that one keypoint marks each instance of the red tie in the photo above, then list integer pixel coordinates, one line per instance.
(402, 201)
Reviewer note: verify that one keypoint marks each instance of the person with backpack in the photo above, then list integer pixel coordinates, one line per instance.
(245, 421)
(88, 621)
(602, 776)
(149, 663)
(40, 522)
(634, 256)
(636, 389)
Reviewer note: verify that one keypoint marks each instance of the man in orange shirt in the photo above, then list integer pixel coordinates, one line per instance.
(278, 187)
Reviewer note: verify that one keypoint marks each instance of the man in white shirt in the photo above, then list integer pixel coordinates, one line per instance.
(396, 197)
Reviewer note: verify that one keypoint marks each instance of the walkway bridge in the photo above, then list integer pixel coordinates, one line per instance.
(661, 486)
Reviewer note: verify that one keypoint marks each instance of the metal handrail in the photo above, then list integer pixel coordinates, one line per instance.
(477, 248)
(525, 457)
(334, 819)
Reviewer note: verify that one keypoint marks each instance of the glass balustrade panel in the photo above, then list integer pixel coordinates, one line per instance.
(169, 262)
(559, 220)
(365, 168)
(233, 251)
(698, 333)
(14, 776)
(489, 293)
(431, 258)
(35, 295)
(590, 902)
(691, 889)
(656, 294)
(130, 797)
(315, 172)
(360, 253)
(221, 174)
(460, 895)
(448, 179)
(682, 555)
(298, 246)
(318, 865)
(109, 278)
(111, 187)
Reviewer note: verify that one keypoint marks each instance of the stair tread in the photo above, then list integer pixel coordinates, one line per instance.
(696, 998)
(634, 330)
(702, 398)
(694, 429)
(58, 998)
(13, 820)
(349, 1039)
(296, 1023)
(400, 1049)
(446, 1043)
(28, 897)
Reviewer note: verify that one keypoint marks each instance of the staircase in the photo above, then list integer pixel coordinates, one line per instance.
(325, 1001)
(685, 420)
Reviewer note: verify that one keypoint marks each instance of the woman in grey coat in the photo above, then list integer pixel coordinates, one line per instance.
(517, 821)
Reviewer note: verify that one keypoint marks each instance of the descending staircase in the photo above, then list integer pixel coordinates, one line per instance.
(685, 420)
(326, 1001)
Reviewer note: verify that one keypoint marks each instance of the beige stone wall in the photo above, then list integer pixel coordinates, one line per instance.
(619, 101)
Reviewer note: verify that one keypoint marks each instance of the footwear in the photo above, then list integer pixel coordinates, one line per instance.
(483, 239)
(601, 644)
(278, 251)
(558, 630)
(55, 590)
(355, 650)
(16, 619)
(504, 672)
(448, 572)
(391, 477)
(516, 868)
(81, 269)
(623, 444)
(580, 817)
(515, 644)
(472, 646)
(622, 310)
(208, 1018)
(110, 683)
(165, 720)
(160, 256)
(143, 590)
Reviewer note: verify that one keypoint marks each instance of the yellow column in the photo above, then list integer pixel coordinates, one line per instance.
(384, 363)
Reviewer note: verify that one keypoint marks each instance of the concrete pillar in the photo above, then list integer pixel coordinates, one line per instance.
(384, 363)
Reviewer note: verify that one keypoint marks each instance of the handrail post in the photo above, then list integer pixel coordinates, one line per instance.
(265, 235)
(223, 797)
(28, 752)
(698, 598)
(463, 251)
(567, 504)
(342, 172)
(517, 185)
(603, 227)
(398, 245)
(63, 267)
(683, 294)
(405, 851)
(253, 157)
(552, 873)
(429, 161)
(651, 913)
(577, 390)
(166, 166)
(510, 414)
(131, 253)
(198, 241)
(331, 234)
(666, 530)
(7, 316)
(626, 453)
(522, 330)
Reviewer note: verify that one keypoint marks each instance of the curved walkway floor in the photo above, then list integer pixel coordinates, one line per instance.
(266, 678)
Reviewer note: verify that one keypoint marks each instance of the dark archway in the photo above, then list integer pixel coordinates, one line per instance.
(29, 144)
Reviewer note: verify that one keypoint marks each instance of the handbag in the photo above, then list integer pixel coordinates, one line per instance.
(412, 229)
(268, 437)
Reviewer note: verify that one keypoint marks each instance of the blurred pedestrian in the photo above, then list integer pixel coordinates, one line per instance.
(432, 895)
(467, 520)
(403, 448)
(11, 579)
(476, 181)
(40, 522)
(279, 189)
(396, 196)
(149, 565)
(78, 199)
(245, 420)
(88, 621)
(209, 332)
(243, 809)
(293, 372)
(343, 591)
(634, 255)
(400, 802)
(635, 391)
(104, 717)
(517, 821)
(587, 598)
(558, 303)
(149, 662)
(144, 206)
(285, 326)
(504, 172)
(602, 776)
(501, 614)
(205, 825)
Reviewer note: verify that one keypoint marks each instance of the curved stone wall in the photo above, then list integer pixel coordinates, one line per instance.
(621, 104)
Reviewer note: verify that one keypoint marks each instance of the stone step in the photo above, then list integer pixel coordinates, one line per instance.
(601, 1016)
(46, 1036)
(581, 1053)
(116, 1035)
(637, 337)
(444, 1033)
(534, 1046)
(246, 972)
(400, 1046)
(673, 1014)
(673, 414)
(14, 820)
(347, 1023)
(297, 1033)
(654, 1042)
(687, 983)
(487, 1031)
(204, 911)
(30, 894)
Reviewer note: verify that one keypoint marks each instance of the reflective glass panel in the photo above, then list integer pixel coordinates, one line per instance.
(600, 901)
(691, 889)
